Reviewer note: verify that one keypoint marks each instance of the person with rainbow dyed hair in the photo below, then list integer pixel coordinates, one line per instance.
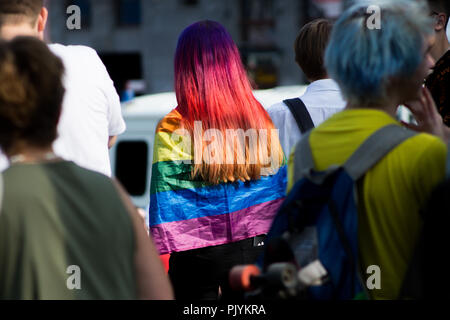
(378, 70)
(219, 173)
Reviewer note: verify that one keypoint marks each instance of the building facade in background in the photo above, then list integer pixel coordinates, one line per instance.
(136, 39)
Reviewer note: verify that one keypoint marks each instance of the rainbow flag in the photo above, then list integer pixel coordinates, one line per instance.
(186, 214)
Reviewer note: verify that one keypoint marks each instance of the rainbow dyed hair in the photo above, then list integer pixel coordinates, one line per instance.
(211, 86)
(363, 61)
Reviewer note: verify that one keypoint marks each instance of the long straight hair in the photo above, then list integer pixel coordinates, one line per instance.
(212, 86)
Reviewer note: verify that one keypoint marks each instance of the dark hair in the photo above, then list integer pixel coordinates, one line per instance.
(16, 11)
(31, 93)
(440, 6)
(310, 48)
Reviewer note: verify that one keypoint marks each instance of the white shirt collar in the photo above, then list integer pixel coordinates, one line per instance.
(322, 85)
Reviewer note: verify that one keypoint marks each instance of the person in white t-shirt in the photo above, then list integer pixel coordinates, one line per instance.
(322, 98)
(91, 115)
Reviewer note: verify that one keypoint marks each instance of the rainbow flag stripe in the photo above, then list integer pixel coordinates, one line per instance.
(186, 214)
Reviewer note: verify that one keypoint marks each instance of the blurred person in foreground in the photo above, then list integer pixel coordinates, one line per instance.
(438, 82)
(392, 193)
(52, 217)
(91, 116)
(219, 173)
(322, 98)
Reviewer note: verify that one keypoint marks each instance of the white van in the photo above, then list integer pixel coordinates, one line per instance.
(132, 155)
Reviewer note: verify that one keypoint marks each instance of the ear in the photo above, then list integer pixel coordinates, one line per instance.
(440, 21)
(42, 22)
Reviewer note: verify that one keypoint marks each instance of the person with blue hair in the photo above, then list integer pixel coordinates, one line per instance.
(378, 69)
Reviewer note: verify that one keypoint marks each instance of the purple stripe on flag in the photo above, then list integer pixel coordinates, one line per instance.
(215, 230)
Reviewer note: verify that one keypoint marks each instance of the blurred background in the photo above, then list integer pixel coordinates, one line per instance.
(136, 39)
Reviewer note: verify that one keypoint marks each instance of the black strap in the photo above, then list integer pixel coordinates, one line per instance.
(300, 113)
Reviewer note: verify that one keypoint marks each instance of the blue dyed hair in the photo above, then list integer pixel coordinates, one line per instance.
(363, 61)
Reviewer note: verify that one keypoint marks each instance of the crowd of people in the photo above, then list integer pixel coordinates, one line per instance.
(222, 164)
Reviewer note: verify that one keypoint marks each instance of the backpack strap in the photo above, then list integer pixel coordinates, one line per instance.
(362, 160)
(377, 146)
(300, 113)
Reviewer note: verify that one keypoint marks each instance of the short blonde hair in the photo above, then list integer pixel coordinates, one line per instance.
(19, 11)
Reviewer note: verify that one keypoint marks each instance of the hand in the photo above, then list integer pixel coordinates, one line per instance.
(142, 214)
(428, 118)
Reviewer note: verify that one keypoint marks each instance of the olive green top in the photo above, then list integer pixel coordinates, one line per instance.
(64, 234)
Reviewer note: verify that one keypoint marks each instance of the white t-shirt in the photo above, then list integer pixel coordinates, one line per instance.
(91, 111)
(322, 99)
(4, 163)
